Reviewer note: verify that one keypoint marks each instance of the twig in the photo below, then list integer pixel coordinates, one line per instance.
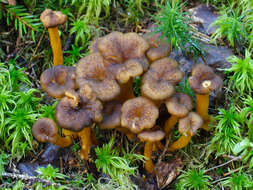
(61, 165)
(221, 165)
(35, 51)
(37, 156)
(31, 179)
(235, 170)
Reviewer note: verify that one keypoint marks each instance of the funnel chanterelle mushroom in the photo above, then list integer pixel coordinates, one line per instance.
(46, 130)
(57, 80)
(203, 80)
(188, 127)
(73, 113)
(150, 137)
(138, 114)
(158, 82)
(125, 58)
(77, 112)
(179, 105)
(159, 48)
(92, 71)
(111, 115)
(51, 20)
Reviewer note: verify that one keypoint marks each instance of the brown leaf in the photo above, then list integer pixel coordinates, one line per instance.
(166, 172)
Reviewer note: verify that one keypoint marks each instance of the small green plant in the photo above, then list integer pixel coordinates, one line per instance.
(3, 161)
(231, 27)
(49, 173)
(92, 9)
(194, 179)
(245, 150)
(18, 109)
(82, 31)
(227, 131)
(117, 167)
(133, 10)
(238, 181)
(184, 87)
(17, 186)
(48, 111)
(73, 55)
(137, 86)
(173, 24)
(248, 115)
(241, 78)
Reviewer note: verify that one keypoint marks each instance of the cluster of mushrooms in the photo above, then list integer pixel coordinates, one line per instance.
(99, 90)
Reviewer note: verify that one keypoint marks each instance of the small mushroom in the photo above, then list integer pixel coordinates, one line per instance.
(73, 113)
(46, 130)
(111, 115)
(158, 82)
(117, 47)
(51, 20)
(125, 58)
(150, 137)
(188, 127)
(57, 80)
(138, 114)
(92, 71)
(179, 105)
(124, 75)
(158, 47)
(112, 118)
(77, 112)
(203, 80)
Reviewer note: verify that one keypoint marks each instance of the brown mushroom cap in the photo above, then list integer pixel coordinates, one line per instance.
(154, 54)
(117, 47)
(179, 104)
(191, 123)
(111, 115)
(151, 136)
(204, 80)
(44, 130)
(138, 113)
(57, 80)
(158, 82)
(124, 72)
(75, 117)
(91, 71)
(52, 19)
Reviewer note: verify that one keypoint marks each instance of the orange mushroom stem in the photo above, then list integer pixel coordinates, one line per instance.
(188, 127)
(170, 123)
(126, 91)
(149, 166)
(55, 42)
(62, 141)
(202, 104)
(150, 138)
(182, 142)
(85, 137)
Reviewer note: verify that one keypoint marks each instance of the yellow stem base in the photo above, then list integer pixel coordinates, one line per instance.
(182, 142)
(63, 141)
(126, 91)
(149, 166)
(202, 104)
(170, 123)
(85, 137)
